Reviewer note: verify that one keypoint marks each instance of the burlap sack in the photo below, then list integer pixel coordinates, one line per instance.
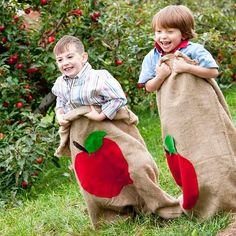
(145, 194)
(193, 111)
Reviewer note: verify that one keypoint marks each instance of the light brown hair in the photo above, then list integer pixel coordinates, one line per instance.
(67, 40)
(175, 16)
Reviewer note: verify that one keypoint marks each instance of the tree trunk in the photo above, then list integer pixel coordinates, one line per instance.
(46, 102)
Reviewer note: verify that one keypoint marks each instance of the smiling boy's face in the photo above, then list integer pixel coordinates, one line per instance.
(168, 38)
(70, 61)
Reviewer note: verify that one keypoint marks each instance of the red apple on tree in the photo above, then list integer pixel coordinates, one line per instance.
(118, 62)
(2, 28)
(30, 97)
(51, 39)
(19, 66)
(4, 39)
(16, 18)
(97, 14)
(39, 160)
(32, 70)
(19, 105)
(101, 167)
(11, 61)
(14, 57)
(77, 12)
(94, 16)
(44, 2)
(24, 184)
(2, 136)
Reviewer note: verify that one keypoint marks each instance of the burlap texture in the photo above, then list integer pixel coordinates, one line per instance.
(193, 110)
(145, 194)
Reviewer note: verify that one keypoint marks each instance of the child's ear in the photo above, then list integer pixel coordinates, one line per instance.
(84, 57)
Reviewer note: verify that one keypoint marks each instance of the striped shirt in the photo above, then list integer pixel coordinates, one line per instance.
(90, 87)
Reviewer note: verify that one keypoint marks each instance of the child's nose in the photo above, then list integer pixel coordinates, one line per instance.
(65, 62)
(163, 35)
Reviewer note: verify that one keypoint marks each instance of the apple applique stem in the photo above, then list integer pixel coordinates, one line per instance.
(183, 172)
(79, 146)
(101, 167)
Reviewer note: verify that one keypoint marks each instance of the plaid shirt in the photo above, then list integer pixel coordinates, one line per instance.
(90, 87)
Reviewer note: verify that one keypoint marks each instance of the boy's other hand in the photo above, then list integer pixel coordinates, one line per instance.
(94, 115)
(180, 65)
(61, 120)
(163, 71)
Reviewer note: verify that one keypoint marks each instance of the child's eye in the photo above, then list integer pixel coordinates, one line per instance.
(70, 56)
(59, 60)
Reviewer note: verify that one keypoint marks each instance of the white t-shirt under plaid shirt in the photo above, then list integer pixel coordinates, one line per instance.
(90, 87)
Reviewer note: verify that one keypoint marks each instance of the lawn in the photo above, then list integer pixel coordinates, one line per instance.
(54, 205)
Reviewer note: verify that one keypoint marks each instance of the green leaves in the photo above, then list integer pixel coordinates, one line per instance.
(23, 143)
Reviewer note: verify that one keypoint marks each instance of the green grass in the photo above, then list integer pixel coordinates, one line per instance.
(230, 96)
(54, 205)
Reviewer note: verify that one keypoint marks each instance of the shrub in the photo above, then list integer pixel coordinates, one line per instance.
(25, 149)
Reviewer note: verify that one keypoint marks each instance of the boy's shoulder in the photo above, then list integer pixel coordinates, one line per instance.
(152, 52)
(59, 79)
(100, 72)
(194, 45)
(193, 49)
(152, 56)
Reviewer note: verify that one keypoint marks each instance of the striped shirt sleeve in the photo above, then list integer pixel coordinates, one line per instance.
(114, 95)
(56, 90)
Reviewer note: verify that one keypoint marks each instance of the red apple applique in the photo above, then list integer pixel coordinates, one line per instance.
(183, 172)
(101, 167)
